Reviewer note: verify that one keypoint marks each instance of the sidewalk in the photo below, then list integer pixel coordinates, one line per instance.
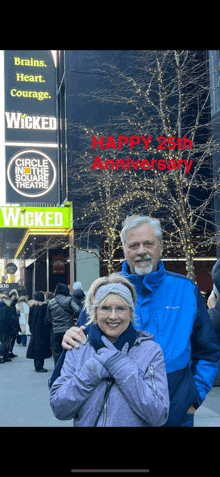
(24, 396)
(208, 414)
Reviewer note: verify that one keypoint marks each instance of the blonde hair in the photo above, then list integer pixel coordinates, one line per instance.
(90, 305)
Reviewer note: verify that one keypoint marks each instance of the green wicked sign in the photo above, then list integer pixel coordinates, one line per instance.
(36, 217)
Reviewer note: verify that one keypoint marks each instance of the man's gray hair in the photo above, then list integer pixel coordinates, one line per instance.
(133, 221)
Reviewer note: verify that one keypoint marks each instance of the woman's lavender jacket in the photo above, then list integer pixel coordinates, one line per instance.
(139, 396)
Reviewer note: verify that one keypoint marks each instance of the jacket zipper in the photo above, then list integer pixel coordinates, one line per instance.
(109, 385)
(105, 402)
(105, 414)
(152, 378)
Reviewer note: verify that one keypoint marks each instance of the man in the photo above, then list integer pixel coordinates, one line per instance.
(171, 307)
(60, 315)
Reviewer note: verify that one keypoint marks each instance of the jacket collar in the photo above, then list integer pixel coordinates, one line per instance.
(151, 280)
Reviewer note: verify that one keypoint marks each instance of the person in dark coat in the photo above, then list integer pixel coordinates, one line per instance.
(6, 328)
(39, 346)
(60, 316)
(214, 299)
(79, 296)
(13, 295)
(213, 304)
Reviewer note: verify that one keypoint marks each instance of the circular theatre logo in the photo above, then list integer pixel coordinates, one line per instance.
(31, 173)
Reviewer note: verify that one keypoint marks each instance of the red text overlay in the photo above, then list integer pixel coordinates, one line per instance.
(164, 143)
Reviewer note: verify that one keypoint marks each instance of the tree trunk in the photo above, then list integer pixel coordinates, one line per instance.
(188, 249)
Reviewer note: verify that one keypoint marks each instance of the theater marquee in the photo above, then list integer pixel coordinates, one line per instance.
(31, 173)
(30, 127)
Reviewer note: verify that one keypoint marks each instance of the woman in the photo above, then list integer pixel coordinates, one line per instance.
(118, 378)
(39, 346)
(23, 310)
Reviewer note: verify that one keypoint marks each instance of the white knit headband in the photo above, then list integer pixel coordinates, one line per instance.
(116, 288)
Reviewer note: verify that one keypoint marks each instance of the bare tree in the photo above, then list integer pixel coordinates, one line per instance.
(107, 197)
(164, 96)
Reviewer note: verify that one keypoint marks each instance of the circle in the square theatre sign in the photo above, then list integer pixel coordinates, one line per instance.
(31, 173)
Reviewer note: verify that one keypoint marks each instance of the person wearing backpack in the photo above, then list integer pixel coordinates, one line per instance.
(60, 316)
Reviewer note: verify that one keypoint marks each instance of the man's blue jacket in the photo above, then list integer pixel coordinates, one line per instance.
(171, 307)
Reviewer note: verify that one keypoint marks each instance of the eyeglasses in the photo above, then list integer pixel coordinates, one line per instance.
(119, 309)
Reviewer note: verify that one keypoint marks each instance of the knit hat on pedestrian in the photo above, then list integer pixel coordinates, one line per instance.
(77, 286)
(38, 296)
(61, 289)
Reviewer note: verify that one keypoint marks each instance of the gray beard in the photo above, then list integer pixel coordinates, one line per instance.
(143, 271)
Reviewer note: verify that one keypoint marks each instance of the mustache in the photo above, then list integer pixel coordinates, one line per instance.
(142, 258)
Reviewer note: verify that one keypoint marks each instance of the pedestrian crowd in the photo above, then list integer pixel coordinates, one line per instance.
(43, 319)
